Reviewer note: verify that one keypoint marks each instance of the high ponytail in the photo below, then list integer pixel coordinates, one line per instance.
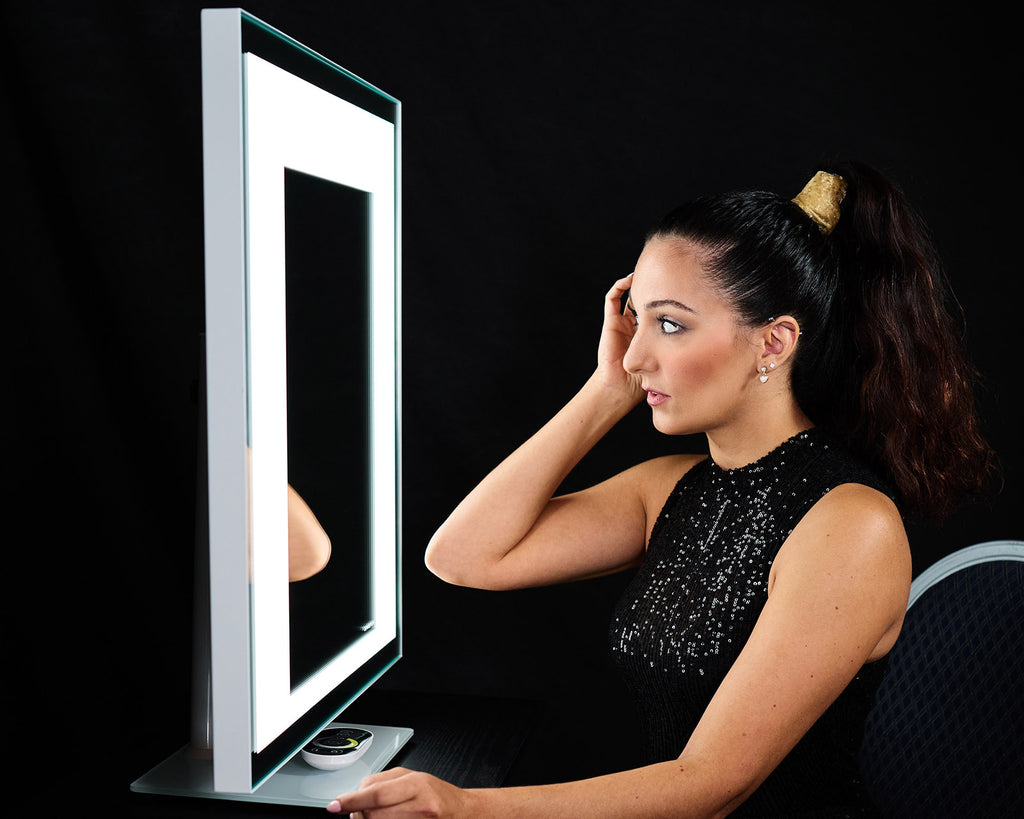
(880, 360)
(915, 415)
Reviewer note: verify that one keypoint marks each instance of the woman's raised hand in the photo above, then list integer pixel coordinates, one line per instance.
(511, 532)
(616, 334)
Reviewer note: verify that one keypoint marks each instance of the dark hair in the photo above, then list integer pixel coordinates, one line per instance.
(880, 360)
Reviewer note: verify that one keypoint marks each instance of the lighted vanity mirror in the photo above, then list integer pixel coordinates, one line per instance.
(302, 378)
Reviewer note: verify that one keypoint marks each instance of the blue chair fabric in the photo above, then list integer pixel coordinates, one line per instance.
(945, 737)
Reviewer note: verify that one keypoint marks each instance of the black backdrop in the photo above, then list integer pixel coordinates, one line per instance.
(540, 140)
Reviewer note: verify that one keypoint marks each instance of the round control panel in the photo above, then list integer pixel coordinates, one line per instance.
(336, 747)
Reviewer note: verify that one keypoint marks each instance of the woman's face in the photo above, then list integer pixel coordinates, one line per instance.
(696, 362)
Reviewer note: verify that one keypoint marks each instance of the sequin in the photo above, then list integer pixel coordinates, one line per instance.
(688, 611)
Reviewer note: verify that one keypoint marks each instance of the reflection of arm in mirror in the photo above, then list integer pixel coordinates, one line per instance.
(772, 576)
(309, 548)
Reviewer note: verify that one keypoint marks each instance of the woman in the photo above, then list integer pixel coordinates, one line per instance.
(818, 356)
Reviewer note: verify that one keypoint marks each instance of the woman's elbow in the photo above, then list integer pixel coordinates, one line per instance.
(455, 566)
(433, 559)
(441, 562)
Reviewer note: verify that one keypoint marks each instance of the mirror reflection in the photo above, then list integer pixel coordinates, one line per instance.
(327, 274)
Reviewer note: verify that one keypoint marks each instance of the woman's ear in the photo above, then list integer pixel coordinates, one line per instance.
(779, 339)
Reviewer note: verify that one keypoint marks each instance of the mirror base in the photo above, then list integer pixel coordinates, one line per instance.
(189, 772)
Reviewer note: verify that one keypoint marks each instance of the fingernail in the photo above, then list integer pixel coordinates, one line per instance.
(334, 807)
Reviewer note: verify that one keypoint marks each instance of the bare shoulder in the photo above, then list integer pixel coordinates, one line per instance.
(859, 519)
(853, 534)
(655, 479)
(658, 476)
(862, 513)
(666, 468)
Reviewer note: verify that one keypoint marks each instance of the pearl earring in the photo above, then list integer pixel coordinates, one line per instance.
(764, 374)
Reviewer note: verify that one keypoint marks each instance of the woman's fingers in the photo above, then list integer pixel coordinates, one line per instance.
(616, 337)
(394, 792)
(613, 299)
(384, 776)
(373, 797)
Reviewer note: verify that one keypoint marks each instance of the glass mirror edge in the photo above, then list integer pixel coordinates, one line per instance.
(264, 772)
(394, 308)
(246, 17)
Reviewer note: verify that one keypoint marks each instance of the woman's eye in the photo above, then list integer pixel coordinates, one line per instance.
(669, 327)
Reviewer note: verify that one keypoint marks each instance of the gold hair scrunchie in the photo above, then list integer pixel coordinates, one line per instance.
(820, 200)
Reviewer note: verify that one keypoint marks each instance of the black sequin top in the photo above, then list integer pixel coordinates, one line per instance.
(693, 602)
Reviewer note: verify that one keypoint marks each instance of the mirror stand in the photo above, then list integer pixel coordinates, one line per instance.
(189, 772)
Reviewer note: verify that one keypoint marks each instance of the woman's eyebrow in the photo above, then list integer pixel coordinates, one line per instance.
(653, 305)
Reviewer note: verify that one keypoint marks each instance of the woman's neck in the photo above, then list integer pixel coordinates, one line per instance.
(742, 443)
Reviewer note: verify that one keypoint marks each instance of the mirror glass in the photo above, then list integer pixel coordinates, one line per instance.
(322, 287)
(327, 252)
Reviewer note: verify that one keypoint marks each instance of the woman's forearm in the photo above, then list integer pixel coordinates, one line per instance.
(678, 789)
(684, 788)
(502, 509)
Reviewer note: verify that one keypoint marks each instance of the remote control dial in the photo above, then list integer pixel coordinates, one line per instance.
(337, 747)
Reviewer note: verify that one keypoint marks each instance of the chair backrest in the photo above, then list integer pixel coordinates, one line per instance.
(945, 737)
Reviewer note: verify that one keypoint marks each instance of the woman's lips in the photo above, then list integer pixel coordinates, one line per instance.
(655, 398)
